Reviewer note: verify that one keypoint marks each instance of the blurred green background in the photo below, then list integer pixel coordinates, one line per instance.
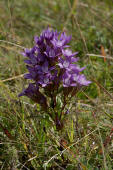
(24, 142)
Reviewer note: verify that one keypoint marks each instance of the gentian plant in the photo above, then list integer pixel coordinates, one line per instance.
(55, 75)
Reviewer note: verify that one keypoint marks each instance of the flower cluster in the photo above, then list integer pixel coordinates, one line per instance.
(50, 62)
(52, 66)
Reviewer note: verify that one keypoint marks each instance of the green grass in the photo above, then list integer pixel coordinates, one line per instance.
(28, 139)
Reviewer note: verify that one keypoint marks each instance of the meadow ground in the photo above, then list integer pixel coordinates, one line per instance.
(27, 141)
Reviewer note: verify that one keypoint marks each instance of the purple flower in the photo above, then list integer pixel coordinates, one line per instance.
(48, 34)
(33, 93)
(67, 111)
(50, 52)
(81, 80)
(69, 55)
(68, 80)
(30, 92)
(51, 63)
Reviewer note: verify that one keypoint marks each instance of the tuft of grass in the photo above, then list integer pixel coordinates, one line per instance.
(28, 139)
